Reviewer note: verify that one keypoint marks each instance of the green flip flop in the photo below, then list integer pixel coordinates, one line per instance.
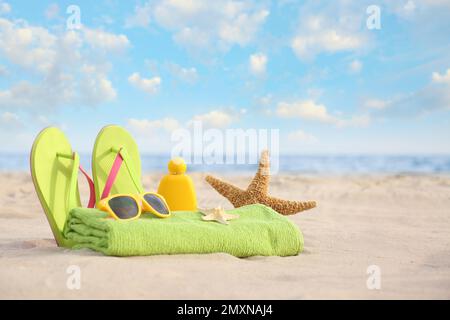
(115, 149)
(54, 170)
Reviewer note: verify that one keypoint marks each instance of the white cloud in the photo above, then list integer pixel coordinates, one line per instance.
(27, 46)
(200, 25)
(242, 27)
(433, 97)
(355, 66)
(427, 20)
(54, 60)
(144, 126)
(140, 17)
(264, 103)
(8, 117)
(266, 100)
(409, 7)
(4, 7)
(258, 62)
(403, 9)
(150, 86)
(105, 40)
(153, 135)
(413, 8)
(43, 120)
(377, 104)
(188, 75)
(312, 111)
(10, 121)
(354, 121)
(307, 109)
(215, 119)
(302, 137)
(329, 27)
(441, 78)
(95, 87)
(52, 11)
(47, 94)
(307, 46)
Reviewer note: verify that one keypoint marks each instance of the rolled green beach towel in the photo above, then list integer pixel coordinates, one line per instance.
(259, 231)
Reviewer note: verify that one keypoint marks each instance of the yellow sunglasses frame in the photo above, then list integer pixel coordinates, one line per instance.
(142, 204)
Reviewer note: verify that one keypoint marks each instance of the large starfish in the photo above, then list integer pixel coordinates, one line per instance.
(257, 191)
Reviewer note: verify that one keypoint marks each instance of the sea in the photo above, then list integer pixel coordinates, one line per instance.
(305, 164)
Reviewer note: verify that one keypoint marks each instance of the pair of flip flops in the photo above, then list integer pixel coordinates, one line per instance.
(54, 170)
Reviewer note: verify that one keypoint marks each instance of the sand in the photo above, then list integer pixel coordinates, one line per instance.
(399, 223)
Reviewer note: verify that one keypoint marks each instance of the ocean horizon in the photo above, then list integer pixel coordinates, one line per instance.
(287, 163)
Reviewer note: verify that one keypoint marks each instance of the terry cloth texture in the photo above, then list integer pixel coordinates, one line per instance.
(259, 231)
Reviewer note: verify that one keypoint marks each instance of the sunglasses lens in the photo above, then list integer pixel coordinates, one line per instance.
(156, 203)
(124, 207)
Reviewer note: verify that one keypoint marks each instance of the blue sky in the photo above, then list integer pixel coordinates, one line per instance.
(312, 69)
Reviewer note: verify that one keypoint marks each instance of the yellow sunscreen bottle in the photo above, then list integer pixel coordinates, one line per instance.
(177, 187)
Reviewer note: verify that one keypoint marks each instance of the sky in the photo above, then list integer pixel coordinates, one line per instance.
(333, 77)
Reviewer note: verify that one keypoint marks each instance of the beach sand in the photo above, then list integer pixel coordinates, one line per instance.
(399, 223)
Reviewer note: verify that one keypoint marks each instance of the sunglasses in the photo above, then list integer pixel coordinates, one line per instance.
(130, 207)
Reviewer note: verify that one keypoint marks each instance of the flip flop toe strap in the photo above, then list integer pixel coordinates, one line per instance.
(121, 157)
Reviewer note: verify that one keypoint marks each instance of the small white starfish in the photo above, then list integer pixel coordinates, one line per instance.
(217, 214)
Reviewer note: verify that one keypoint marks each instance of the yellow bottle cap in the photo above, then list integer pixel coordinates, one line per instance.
(177, 166)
